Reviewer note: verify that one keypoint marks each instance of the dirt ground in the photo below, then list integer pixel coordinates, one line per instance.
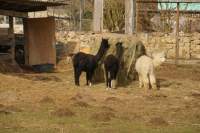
(50, 103)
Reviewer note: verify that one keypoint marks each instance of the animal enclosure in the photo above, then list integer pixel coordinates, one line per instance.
(59, 102)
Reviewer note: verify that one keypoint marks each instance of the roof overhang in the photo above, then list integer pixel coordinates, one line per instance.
(20, 8)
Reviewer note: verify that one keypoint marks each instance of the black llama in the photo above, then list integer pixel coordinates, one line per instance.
(88, 63)
(112, 64)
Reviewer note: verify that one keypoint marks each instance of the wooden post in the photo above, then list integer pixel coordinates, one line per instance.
(177, 35)
(98, 16)
(11, 32)
(80, 15)
(136, 16)
(129, 16)
(11, 26)
(26, 49)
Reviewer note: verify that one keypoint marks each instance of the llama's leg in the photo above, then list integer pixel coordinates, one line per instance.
(145, 80)
(153, 81)
(106, 76)
(104, 73)
(109, 81)
(140, 81)
(113, 79)
(90, 75)
(77, 76)
(87, 78)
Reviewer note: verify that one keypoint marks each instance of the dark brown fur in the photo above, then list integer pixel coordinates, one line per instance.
(112, 64)
(88, 63)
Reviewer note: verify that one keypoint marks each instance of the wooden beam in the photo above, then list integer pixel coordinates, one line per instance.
(98, 16)
(177, 35)
(14, 13)
(11, 32)
(26, 49)
(129, 16)
(11, 26)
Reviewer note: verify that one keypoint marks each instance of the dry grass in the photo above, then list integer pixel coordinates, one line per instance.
(51, 103)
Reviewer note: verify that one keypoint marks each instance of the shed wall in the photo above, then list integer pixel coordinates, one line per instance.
(40, 41)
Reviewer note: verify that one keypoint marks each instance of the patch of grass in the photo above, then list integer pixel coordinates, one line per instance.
(41, 122)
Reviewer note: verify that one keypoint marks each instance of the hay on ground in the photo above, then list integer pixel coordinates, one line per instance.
(7, 67)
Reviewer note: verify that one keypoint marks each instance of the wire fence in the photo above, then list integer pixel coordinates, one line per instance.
(66, 24)
(157, 17)
(77, 16)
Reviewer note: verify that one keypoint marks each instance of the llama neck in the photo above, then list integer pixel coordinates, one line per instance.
(118, 54)
(100, 54)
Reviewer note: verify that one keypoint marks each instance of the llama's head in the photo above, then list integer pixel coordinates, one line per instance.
(105, 44)
(140, 49)
(158, 58)
(103, 48)
(118, 45)
(119, 49)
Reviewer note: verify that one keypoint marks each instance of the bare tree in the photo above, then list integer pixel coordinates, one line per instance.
(114, 15)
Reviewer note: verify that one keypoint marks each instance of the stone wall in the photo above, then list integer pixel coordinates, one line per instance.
(189, 43)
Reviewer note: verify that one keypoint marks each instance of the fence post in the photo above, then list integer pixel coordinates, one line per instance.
(130, 16)
(80, 15)
(98, 16)
(177, 35)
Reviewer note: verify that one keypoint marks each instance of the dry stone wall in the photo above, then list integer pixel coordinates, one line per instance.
(189, 43)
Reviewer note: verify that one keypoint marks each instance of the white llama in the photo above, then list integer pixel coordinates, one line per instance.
(145, 66)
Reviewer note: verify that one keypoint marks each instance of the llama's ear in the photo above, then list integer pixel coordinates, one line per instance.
(120, 44)
(120, 41)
